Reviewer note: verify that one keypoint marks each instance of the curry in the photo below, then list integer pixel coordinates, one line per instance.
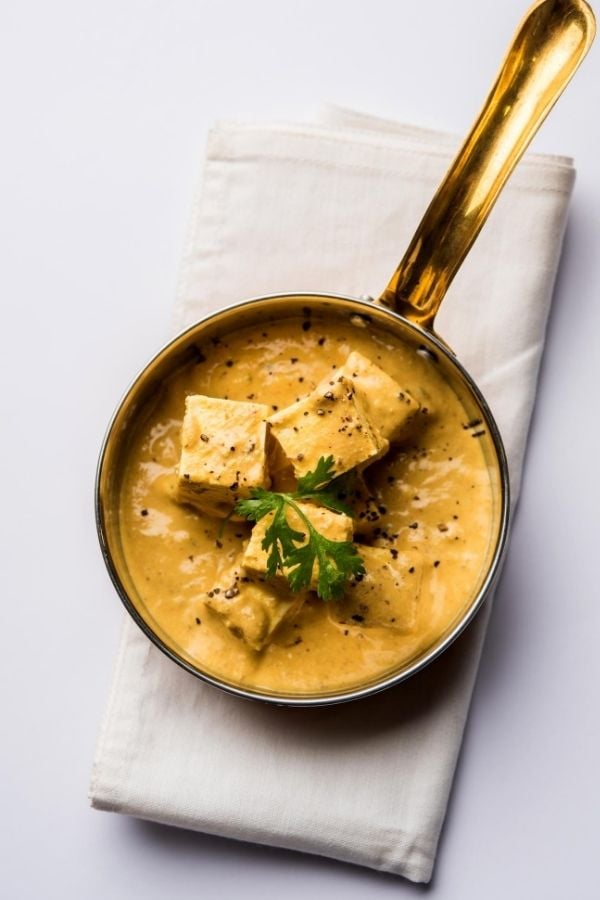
(260, 408)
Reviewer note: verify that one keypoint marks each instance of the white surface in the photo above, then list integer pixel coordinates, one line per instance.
(108, 106)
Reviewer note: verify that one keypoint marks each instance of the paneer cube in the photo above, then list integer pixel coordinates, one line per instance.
(281, 471)
(389, 406)
(335, 526)
(251, 609)
(331, 422)
(387, 596)
(223, 453)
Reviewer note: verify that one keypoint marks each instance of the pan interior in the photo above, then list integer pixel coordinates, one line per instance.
(141, 448)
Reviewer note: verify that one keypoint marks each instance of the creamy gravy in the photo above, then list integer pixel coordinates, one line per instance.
(435, 488)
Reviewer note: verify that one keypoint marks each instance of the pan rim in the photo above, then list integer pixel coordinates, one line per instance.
(333, 698)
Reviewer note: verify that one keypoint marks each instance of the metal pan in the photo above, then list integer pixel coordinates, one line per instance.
(547, 49)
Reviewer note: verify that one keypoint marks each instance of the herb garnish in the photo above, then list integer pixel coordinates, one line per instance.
(296, 552)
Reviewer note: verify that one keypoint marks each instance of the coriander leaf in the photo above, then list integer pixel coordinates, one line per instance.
(330, 500)
(271, 543)
(323, 488)
(338, 562)
(280, 539)
(300, 564)
(296, 553)
(260, 504)
(322, 475)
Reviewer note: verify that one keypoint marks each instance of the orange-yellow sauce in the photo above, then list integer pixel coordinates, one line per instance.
(436, 489)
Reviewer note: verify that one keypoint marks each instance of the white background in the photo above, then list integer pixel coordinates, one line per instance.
(105, 112)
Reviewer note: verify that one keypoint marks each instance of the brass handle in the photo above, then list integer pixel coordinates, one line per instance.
(548, 47)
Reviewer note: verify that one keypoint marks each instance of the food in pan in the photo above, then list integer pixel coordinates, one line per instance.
(306, 507)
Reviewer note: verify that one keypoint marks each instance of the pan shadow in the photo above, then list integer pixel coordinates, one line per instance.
(418, 697)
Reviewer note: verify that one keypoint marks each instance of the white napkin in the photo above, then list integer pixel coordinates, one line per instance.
(331, 207)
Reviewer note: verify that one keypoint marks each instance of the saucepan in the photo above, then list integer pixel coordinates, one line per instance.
(547, 49)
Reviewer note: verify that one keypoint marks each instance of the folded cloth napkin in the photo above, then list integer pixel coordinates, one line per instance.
(331, 207)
